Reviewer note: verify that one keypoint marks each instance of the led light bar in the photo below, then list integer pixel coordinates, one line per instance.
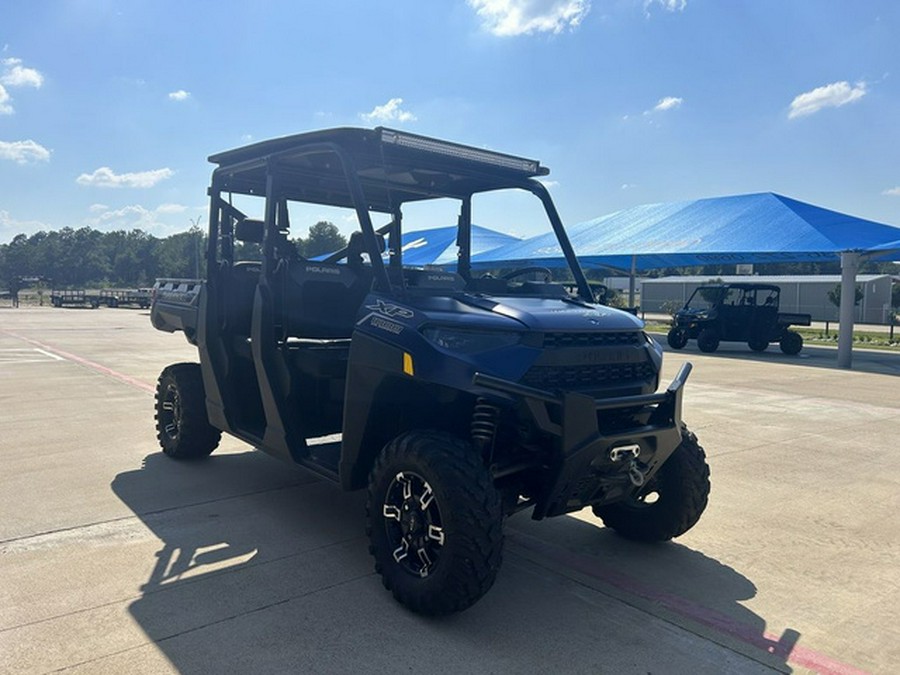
(463, 152)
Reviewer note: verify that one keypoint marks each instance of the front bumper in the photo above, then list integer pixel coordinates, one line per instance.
(586, 470)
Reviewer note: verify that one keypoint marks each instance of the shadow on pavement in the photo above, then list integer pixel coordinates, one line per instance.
(669, 580)
(264, 568)
(881, 362)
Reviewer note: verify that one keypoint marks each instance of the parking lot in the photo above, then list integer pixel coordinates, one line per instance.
(116, 559)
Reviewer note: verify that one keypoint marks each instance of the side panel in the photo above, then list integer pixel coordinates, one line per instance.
(373, 364)
(213, 360)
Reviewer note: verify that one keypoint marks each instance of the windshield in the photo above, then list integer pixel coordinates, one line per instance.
(705, 298)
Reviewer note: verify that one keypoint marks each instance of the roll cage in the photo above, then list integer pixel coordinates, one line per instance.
(368, 170)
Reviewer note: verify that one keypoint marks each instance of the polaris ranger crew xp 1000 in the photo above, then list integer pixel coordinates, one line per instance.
(460, 397)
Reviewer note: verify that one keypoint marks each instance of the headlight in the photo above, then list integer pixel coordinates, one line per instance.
(654, 345)
(469, 341)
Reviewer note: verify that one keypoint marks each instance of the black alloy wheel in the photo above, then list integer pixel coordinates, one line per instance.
(182, 427)
(434, 521)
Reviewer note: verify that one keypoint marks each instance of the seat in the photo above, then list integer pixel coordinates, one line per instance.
(321, 300)
(240, 281)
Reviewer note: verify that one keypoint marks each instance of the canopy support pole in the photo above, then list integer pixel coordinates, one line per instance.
(631, 282)
(849, 267)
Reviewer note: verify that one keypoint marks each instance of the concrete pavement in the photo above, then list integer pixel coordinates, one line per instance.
(114, 558)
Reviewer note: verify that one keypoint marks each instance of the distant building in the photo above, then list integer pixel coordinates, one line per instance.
(807, 294)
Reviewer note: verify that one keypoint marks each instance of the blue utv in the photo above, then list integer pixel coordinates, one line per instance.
(455, 398)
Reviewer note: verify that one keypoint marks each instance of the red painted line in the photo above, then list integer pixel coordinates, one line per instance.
(87, 363)
(721, 623)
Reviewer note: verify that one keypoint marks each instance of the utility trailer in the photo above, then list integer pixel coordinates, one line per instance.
(117, 297)
(459, 397)
(74, 298)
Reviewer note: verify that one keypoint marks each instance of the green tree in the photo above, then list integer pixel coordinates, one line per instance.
(324, 237)
(177, 255)
(834, 295)
(712, 295)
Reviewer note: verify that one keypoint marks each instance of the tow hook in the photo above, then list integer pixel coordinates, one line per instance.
(630, 452)
(635, 474)
(621, 452)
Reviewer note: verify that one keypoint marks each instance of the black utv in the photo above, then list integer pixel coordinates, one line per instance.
(459, 397)
(738, 312)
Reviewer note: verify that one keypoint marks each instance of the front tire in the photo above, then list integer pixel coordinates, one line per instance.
(758, 344)
(791, 343)
(677, 338)
(434, 521)
(708, 340)
(182, 426)
(670, 503)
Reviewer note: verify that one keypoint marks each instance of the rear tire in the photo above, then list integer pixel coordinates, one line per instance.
(434, 521)
(758, 344)
(182, 426)
(791, 343)
(681, 491)
(677, 338)
(708, 340)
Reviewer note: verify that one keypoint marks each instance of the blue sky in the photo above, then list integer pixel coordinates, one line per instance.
(109, 109)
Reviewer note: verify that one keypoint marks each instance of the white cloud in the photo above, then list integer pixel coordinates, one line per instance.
(10, 227)
(832, 95)
(663, 105)
(98, 208)
(389, 112)
(106, 177)
(135, 216)
(627, 186)
(668, 5)
(15, 75)
(23, 152)
(5, 107)
(668, 103)
(171, 208)
(180, 95)
(524, 17)
(893, 192)
(548, 183)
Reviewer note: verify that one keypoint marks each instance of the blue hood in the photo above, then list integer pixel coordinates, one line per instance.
(537, 314)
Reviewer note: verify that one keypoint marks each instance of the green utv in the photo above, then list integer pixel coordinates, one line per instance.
(738, 312)
(460, 397)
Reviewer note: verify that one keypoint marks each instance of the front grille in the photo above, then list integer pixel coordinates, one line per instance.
(591, 339)
(569, 378)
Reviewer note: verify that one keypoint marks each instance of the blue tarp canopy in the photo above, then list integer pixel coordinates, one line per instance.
(753, 228)
(889, 251)
(437, 246)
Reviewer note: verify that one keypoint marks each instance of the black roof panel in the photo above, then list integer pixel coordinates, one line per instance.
(393, 167)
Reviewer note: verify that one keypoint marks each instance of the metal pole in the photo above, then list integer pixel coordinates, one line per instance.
(849, 266)
(631, 281)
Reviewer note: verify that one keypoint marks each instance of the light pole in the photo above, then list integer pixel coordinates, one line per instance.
(198, 235)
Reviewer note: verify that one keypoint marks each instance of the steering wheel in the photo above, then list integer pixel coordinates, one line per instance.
(529, 270)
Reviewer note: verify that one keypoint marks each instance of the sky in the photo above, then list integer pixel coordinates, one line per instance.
(109, 109)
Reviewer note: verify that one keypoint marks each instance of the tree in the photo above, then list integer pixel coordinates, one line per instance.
(324, 237)
(712, 295)
(834, 295)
